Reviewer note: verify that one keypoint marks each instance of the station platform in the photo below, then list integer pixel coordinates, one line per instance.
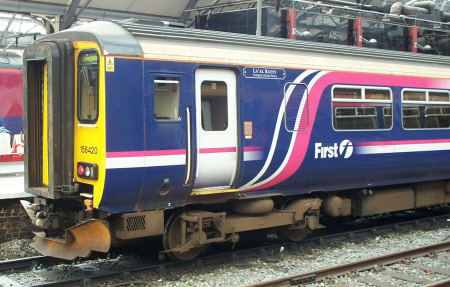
(12, 180)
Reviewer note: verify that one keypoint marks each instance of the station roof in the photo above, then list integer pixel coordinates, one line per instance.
(170, 10)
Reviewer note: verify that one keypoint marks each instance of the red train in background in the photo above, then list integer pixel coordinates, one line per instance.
(11, 113)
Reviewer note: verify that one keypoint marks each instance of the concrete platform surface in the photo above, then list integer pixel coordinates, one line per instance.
(13, 167)
(11, 180)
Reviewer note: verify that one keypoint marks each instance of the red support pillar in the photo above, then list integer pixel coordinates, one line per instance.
(357, 27)
(291, 18)
(413, 36)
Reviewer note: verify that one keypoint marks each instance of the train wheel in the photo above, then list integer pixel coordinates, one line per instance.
(294, 234)
(172, 239)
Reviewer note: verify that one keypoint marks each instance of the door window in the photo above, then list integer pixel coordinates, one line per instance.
(214, 105)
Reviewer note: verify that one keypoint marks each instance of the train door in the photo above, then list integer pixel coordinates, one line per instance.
(216, 126)
(165, 138)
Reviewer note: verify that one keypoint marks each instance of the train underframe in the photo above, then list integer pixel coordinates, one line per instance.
(72, 228)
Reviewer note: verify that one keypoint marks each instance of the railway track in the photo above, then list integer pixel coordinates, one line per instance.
(26, 262)
(366, 264)
(95, 276)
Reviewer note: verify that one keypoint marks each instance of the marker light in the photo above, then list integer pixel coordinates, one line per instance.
(80, 170)
(87, 170)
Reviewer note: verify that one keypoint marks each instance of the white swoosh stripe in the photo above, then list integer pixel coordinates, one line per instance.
(273, 145)
(145, 161)
(294, 136)
(403, 148)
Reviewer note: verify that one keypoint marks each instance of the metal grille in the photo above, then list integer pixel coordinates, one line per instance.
(136, 223)
(119, 224)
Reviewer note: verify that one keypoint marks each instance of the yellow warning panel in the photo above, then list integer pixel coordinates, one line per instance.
(109, 64)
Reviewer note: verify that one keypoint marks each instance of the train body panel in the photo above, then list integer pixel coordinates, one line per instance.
(271, 158)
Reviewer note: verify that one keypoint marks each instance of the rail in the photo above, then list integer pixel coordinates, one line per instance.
(359, 265)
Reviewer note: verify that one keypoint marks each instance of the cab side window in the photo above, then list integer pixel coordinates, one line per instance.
(88, 86)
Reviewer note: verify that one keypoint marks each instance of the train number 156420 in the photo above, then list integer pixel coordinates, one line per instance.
(89, 149)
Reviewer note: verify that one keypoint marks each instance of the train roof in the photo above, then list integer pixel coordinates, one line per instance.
(126, 38)
(112, 38)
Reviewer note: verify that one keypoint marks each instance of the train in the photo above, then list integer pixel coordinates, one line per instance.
(194, 137)
(11, 108)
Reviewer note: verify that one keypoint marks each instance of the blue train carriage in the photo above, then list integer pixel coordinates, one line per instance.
(197, 136)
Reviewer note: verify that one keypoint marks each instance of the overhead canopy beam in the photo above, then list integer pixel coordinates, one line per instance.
(185, 15)
(25, 7)
(214, 2)
(70, 15)
(5, 32)
(221, 5)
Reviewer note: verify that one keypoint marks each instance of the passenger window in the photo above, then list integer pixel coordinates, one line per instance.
(387, 115)
(214, 105)
(371, 94)
(296, 104)
(439, 97)
(346, 93)
(88, 86)
(411, 117)
(413, 96)
(426, 109)
(355, 118)
(362, 108)
(437, 116)
(166, 99)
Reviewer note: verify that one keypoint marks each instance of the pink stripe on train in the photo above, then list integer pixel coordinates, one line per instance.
(177, 151)
(217, 149)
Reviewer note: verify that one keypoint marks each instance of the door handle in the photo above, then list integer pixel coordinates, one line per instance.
(189, 147)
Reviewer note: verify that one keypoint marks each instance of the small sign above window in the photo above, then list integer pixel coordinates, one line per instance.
(264, 73)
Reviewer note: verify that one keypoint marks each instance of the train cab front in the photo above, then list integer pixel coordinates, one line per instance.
(65, 145)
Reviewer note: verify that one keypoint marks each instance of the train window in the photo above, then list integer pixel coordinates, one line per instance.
(362, 108)
(414, 96)
(375, 94)
(387, 115)
(346, 93)
(439, 97)
(355, 118)
(88, 86)
(214, 105)
(411, 117)
(437, 117)
(426, 109)
(296, 103)
(166, 99)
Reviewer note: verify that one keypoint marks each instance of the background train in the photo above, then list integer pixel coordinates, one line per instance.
(11, 106)
(196, 136)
